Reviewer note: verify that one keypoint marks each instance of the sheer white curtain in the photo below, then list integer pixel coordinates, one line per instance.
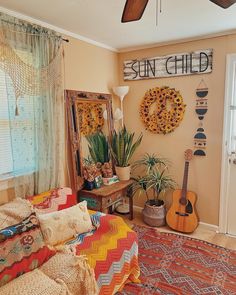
(31, 58)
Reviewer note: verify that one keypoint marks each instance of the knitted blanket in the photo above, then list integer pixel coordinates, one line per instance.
(63, 274)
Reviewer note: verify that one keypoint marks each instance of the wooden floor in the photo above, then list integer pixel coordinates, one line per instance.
(202, 232)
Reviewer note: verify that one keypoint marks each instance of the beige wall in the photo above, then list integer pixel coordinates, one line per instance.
(204, 176)
(88, 68)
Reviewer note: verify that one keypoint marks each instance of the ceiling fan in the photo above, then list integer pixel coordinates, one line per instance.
(134, 9)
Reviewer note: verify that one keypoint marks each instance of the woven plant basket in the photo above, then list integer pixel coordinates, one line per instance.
(154, 215)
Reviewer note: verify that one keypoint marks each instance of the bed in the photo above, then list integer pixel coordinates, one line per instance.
(111, 248)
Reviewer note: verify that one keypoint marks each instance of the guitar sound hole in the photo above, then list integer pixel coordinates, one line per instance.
(189, 208)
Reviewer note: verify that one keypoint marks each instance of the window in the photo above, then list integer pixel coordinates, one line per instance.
(6, 163)
(17, 140)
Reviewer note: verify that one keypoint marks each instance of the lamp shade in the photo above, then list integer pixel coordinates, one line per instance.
(121, 91)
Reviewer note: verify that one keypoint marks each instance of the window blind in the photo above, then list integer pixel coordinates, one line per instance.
(17, 133)
(6, 162)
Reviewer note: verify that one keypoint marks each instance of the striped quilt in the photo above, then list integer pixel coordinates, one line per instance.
(112, 251)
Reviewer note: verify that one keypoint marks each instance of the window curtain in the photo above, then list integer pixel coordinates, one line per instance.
(31, 58)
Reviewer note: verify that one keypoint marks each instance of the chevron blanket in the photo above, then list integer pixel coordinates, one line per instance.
(112, 251)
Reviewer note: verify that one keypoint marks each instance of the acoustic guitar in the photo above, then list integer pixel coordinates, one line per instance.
(182, 215)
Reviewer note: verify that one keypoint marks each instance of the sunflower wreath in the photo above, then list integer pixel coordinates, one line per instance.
(90, 118)
(168, 113)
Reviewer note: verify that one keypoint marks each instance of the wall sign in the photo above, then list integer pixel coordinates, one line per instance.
(197, 62)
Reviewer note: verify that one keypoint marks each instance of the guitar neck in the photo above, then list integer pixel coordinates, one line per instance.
(185, 181)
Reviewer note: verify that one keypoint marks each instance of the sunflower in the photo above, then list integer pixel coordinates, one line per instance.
(169, 110)
(90, 118)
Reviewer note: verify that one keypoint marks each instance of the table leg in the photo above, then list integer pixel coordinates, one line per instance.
(131, 212)
(110, 210)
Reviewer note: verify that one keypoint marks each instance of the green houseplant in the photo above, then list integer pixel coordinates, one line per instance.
(152, 183)
(98, 147)
(122, 149)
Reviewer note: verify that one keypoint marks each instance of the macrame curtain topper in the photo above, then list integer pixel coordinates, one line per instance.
(168, 112)
(26, 77)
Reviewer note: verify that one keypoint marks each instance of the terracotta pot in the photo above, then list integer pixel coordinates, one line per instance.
(154, 215)
(123, 173)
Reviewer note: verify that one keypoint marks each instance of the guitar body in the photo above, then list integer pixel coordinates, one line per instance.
(183, 217)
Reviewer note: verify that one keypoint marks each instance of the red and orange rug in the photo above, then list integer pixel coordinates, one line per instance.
(175, 264)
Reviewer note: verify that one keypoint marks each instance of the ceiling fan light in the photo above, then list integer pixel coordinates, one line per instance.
(224, 3)
(133, 10)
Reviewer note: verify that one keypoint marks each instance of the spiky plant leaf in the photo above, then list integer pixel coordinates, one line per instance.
(98, 147)
(123, 146)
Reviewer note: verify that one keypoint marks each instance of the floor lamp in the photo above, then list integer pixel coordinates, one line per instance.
(121, 91)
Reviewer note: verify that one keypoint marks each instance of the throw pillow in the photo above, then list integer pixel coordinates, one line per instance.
(60, 226)
(53, 200)
(14, 211)
(22, 249)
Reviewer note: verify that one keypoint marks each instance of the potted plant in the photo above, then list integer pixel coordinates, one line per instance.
(99, 153)
(153, 183)
(122, 149)
(89, 177)
(98, 147)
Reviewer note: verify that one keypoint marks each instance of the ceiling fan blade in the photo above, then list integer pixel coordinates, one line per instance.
(133, 10)
(224, 3)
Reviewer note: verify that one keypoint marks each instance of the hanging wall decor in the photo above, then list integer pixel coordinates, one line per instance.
(201, 101)
(90, 118)
(162, 109)
(200, 142)
(201, 110)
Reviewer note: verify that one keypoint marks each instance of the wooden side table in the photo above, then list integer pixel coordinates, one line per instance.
(103, 198)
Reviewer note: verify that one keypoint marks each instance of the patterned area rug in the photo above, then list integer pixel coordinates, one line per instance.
(175, 264)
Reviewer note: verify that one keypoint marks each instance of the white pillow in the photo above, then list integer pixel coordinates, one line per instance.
(60, 226)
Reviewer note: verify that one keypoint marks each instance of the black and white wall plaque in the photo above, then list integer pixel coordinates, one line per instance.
(197, 62)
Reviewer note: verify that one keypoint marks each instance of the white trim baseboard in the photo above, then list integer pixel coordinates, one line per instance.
(208, 226)
(55, 28)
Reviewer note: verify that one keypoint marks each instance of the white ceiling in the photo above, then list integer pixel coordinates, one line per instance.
(99, 20)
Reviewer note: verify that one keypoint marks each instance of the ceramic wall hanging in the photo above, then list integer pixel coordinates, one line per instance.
(201, 110)
(201, 101)
(200, 142)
